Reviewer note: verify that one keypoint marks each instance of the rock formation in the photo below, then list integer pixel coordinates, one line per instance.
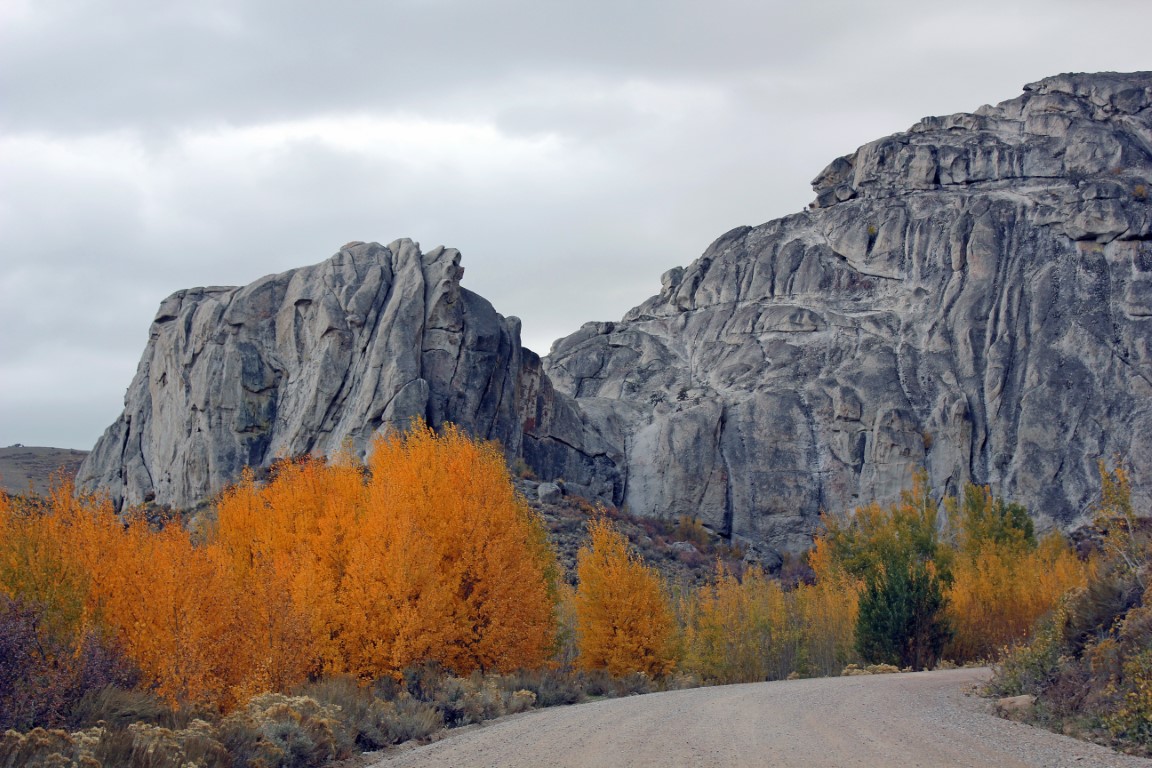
(973, 296)
(318, 359)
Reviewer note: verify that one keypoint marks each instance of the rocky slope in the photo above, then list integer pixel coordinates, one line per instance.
(973, 296)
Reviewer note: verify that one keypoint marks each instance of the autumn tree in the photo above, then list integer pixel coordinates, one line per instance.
(741, 630)
(1127, 536)
(288, 541)
(1004, 580)
(171, 609)
(904, 570)
(38, 563)
(426, 554)
(625, 621)
(449, 564)
(829, 609)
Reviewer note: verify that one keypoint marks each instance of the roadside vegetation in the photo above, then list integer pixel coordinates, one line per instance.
(1087, 670)
(341, 606)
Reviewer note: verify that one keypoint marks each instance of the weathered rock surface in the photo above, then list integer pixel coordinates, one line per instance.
(973, 296)
(318, 358)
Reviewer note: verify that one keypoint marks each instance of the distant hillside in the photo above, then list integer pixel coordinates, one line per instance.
(22, 466)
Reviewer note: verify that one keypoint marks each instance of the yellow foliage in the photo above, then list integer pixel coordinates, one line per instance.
(38, 565)
(1003, 580)
(1127, 537)
(999, 593)
(827, 612)
(739, 631)
(751, 629)
(625, 622)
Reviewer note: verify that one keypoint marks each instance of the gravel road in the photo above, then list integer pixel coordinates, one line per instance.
(921, 719)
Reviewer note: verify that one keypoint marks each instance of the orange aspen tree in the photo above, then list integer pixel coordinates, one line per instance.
(625, 622)
(429, 555)
(165, 601)
(288, 540)
(451, 566)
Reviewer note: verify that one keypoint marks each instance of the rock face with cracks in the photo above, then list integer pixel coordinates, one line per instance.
(319, 360)
(972, 296)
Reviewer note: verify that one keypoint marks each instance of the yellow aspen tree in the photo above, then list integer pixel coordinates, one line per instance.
(829, 610)
(827, 615)
(38, 565)
(740, 630)
(1004, 581)
(999, 593)
(625, 622)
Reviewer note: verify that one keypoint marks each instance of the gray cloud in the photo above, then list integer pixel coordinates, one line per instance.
(572, 151)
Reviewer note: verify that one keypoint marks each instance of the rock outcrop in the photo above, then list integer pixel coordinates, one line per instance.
(322, 358)
(973, 297)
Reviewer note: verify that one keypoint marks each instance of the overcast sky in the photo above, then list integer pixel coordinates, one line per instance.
(572, 151)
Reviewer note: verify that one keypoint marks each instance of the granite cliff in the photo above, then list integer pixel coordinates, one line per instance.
(972, 296)
(319, 359)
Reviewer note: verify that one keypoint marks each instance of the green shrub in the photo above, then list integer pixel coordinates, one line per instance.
(364, 717)
(552, 687)
(1032, 668)
(409, 719)
(38, 747)
(290, 732)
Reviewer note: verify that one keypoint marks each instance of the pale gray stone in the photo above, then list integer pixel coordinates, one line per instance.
(972, 297)
(549, 493)
(322, 359)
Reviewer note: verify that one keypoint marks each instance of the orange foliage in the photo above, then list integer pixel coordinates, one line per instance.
(158, 596)
(433, 557)
(287, 542)
(625, 623)
(1000, 592)
(170, 607)
(452, 565)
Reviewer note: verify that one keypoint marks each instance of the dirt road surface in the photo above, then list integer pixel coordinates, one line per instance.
(881, 721)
